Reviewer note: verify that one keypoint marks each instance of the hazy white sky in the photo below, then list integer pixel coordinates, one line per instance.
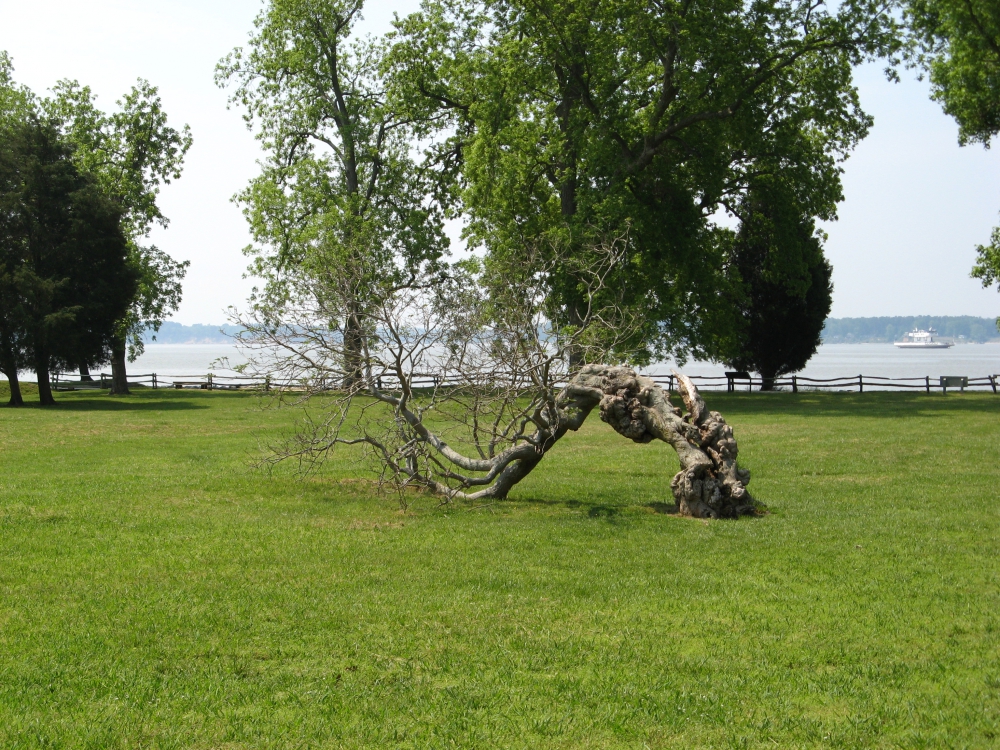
(916, 204)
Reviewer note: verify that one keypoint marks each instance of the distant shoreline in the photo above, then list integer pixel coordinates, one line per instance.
(879, 330)
(885, 330)
(175, 333)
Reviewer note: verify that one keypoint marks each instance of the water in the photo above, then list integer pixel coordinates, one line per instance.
(831, 361)
(885, 360)
(186, 360)
(176, 361)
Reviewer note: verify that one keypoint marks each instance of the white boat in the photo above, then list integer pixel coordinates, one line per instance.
(918, 339)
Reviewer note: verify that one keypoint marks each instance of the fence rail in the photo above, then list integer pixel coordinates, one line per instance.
(859, 383)
(794, 383)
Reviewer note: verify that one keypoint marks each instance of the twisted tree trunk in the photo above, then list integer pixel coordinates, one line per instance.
(710, 484)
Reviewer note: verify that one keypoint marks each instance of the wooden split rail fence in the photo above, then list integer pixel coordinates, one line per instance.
(739, 380)
(729, 382)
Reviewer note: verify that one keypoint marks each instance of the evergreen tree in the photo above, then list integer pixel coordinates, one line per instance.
(65, 278)
(785, 286)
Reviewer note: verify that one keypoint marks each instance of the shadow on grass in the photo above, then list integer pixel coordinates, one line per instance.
(592, 509)
(875, 405)
(126, 403)
(667, 509)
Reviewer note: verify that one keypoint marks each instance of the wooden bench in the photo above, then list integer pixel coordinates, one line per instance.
(732, 377)
(203, 384)
(954, 381)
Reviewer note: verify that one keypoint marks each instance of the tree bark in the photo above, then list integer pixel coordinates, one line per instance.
(710, 484)
(42, 372)
(85, 373)
(353, 345)
(767, 381)
(9, 367)
(575, 353)
(16, 399)
(119, 377)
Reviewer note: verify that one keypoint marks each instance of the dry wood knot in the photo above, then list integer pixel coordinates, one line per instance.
(624, 405)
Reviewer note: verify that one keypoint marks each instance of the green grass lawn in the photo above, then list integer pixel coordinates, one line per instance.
(156, 592)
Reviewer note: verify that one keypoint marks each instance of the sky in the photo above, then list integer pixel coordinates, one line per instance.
(916, 204)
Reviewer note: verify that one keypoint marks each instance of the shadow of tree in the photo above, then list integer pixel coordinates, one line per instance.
(107, 403)
(667, 509)
(603, 511)
(878, 405)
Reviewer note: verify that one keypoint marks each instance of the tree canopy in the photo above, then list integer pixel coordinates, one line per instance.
(958, 43)
(125, 156)
(340, 185)
(64, 272)
(574, 118)
(131, 153)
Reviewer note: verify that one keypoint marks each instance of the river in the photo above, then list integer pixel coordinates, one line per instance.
(831, 361)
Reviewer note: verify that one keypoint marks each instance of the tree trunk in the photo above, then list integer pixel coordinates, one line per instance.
(575, 352)
(353, 345)
(8, 365)
(710, 484)
(767, 381)
(16, 399)
(42, 372)
(85, 373)
(119, 377)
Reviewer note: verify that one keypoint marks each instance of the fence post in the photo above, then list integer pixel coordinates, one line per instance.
(928, 379)
(795, 384)
(861, 384)
(154, 380)
(993, 382)
(670, 386)
(267, 382)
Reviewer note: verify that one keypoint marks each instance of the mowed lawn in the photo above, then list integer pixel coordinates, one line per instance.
(155, 592)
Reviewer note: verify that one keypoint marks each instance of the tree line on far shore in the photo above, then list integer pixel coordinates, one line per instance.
(887, 329)
(78, 196)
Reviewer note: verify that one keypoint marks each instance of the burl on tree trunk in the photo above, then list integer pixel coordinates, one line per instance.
(710, 484)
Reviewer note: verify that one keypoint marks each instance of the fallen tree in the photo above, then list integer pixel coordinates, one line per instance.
(465, 384)
(710, 484)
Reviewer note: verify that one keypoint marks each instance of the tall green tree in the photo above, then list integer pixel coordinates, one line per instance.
(64, 272)
(784, 286)
(341, 185)
(958, 43)
(569, 118)
(131, 152)
(16, 105)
